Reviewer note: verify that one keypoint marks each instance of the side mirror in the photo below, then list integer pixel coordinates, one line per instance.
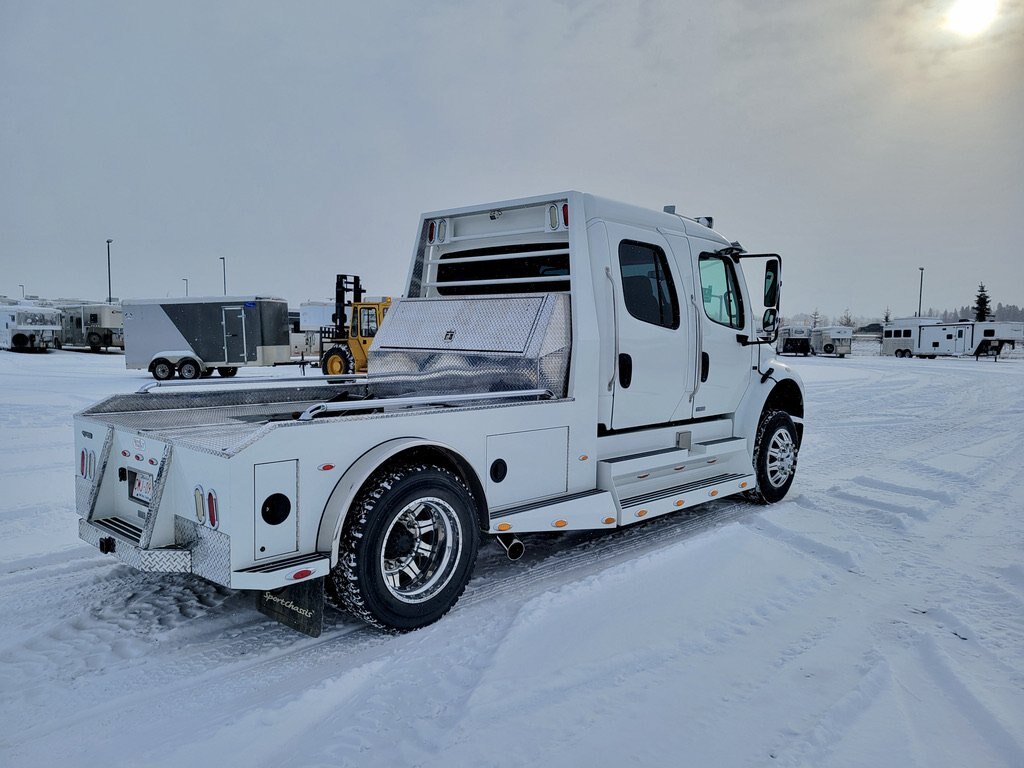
(770, 321)
(771, 283)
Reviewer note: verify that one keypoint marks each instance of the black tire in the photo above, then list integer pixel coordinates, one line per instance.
(227, 371)
(842, 355)
(775, 457)
(207, 373)
(162, 370)
(189, 369)
(408, 548)
(898, 353)
(828, 349)
(337, 361)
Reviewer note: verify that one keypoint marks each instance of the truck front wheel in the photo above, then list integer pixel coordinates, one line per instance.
(775, 454)
(408, 549)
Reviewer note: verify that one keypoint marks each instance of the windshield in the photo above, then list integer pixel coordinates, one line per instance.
(38, 318)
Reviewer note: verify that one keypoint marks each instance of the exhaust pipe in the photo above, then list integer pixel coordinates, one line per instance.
(514, 548)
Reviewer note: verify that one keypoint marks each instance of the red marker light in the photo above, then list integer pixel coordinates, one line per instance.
(211, 509)
(325, 467)
(81, 469)
(302, 574)
(565, 213)
(431, 229)
(153, 462)
(138, 457)
(125, 454)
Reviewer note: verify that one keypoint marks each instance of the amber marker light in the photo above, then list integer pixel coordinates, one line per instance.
(641, 512)
(608, 520)
(743, 485)
(560, 523)
(714, 493)
(679, 502)
(504, 527)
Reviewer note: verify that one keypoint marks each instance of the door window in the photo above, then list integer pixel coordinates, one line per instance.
(368, 320)
(647, 288)
(722, 300)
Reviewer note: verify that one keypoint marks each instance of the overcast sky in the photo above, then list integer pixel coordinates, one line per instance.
(860, 139)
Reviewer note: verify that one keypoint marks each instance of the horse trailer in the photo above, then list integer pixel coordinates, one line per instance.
(27, 327)
(832, 340)
(928, 337)
(96, 326)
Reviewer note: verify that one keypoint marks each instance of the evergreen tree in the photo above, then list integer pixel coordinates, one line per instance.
(887, 316)
(847, 319)
(982, 307)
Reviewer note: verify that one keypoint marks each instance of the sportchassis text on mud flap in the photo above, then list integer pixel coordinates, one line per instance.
(562, 362)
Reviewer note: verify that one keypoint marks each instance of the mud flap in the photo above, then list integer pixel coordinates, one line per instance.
(300, 606)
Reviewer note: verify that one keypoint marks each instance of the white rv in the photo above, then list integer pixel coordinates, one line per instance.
(794, 340)
(195, 336)
(928, 337)
(28, 327)
(832, 340)
(96, 326)
(559, 363)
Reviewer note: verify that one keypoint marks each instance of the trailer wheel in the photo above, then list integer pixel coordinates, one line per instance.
(337, 361)
(162, 370)
(775, 456)
(227, 371)
(189, 369)
(408, 548)
(828, 349)
(898, 353)
(207, 373)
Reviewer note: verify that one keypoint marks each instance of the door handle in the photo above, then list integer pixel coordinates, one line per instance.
(705, 366)
(625, 370)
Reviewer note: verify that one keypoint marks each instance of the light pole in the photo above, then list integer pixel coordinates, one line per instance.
(920, 292)
(224, 271)
(186, 285)
(22, 290)
(110, 297)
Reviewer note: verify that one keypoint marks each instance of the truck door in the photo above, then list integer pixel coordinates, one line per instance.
(652, 344)
(234, 335)
(725, 362)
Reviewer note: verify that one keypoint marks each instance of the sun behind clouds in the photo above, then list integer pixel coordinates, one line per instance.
(971, 17)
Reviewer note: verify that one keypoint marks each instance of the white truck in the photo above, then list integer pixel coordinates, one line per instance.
(832, 340)
(28, 327)
(558, 363)
(94, 325)
(930, 337)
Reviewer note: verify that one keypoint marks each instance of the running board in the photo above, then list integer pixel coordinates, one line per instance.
(576, 512)
(268, 576)
(687, 495)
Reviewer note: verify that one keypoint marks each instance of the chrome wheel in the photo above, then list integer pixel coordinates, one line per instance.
(781, 458)
(421, 549)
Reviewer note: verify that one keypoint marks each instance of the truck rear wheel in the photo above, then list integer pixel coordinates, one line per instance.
(775, 455)
(162, 370)
(408, 548)
(337, 361)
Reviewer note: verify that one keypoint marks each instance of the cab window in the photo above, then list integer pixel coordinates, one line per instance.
(368, 320)
(719, 289)
(647, 288)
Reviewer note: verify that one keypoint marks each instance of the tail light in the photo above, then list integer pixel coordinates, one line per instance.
(81, 464)
(565, 214)
(211, 509)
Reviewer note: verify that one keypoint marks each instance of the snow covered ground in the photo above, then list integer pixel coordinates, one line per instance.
(873, 618)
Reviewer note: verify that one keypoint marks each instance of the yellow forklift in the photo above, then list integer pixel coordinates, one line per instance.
(345, 345)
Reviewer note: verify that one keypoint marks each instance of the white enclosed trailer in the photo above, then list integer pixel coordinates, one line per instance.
(794, 340)
(832, 340)
(194, 336)
(928, 337)
(28, 327)
(93, 325)
(559, 363)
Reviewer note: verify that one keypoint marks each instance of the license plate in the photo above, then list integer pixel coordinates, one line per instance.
(141, 487)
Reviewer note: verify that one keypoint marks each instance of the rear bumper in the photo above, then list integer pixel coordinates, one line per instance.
(164, 560)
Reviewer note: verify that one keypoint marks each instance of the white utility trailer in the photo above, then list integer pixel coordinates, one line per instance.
(28, 327)
(928, 337)
(832, 340)
(559, 363)
(195, 336)
(794, 340)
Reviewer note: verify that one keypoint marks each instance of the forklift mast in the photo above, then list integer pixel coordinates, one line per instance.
(343, 284)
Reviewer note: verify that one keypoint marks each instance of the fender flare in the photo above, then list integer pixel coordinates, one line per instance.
(335, 511)
(785, 392)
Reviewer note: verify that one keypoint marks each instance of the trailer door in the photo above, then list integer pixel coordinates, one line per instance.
(234, 335)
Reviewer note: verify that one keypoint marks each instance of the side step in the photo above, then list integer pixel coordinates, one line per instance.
(266, 576)
(636, 508)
